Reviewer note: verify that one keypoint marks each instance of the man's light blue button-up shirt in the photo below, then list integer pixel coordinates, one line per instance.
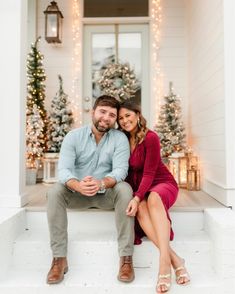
(80, 156)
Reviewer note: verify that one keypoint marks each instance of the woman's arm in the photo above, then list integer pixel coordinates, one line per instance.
(151, 163)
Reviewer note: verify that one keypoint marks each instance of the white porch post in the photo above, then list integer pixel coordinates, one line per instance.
(13, 50)
(229, 69)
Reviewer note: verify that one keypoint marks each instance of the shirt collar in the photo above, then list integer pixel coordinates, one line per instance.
(92, 135)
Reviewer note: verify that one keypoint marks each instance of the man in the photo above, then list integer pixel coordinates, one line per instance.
(92, 166)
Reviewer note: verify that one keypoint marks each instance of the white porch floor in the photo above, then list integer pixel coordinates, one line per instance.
(187, 200)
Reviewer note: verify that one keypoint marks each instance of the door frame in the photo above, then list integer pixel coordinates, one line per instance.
(88, 30)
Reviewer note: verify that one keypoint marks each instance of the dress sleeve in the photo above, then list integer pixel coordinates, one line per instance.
(151, 162)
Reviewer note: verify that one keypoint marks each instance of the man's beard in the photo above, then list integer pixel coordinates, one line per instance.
(101, 128)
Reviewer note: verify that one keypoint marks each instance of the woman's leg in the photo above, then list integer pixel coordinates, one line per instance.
(161, 227)
(155, 220)
(147, 226)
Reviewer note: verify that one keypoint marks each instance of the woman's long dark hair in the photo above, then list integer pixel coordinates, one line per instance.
(142, 123)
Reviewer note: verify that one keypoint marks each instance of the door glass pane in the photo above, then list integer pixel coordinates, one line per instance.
(130, 51)
(115, 8)
(103, 53)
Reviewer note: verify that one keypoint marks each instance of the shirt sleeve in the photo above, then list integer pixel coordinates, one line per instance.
(67, 159)
(151, 163)
(120, 158)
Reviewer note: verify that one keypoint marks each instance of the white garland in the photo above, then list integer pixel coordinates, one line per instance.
(119, 81)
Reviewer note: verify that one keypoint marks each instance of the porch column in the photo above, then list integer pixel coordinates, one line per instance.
(229, 70)
(13, 51)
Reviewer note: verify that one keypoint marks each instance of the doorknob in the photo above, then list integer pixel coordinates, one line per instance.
(87, 99)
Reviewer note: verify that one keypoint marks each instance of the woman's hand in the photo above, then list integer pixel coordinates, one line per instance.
(132, 206)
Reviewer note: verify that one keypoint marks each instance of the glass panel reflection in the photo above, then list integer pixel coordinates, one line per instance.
(130, 51)
(103, 53)
(52, 25)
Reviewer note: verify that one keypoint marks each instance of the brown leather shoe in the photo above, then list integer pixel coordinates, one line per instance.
(126, 271)
(59, 267)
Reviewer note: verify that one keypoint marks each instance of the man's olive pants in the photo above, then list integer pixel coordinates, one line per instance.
(117, 198)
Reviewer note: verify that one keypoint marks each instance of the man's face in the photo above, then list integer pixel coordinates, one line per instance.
(104, 118)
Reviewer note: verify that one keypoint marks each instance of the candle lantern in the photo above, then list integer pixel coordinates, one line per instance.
(178, 168)
(193, 178)
(53, 23)
(50, 166)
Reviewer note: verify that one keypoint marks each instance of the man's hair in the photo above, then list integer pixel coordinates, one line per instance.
(106, 100)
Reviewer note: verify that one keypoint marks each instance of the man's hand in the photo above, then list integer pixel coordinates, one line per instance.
(89, 186)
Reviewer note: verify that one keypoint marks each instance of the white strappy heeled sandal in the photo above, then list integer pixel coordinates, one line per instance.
(180, 276)
(162, 283)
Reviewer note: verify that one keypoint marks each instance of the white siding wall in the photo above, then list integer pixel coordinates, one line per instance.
(57, 58)
(173, 49)
(206, 111)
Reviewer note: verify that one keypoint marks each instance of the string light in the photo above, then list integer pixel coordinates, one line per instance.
(76, 71)
(156, 19)
(36, 117)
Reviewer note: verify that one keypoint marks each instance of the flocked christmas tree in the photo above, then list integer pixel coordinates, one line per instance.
(170, 128)
(36, 128)
(34, 137)
(60, 119)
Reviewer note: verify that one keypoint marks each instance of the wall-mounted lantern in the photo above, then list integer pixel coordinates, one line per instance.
(53, 23)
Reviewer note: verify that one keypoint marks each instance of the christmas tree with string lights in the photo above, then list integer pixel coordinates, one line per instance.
(170, 128)
(34, 137)
(36, 120)
(60, 119)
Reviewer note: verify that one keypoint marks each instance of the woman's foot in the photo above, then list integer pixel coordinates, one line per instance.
(163, 283)
(164, 277)
(181, 274)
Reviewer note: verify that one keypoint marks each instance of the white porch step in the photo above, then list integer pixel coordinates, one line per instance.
(101, 279)
(101, 251)
(93, 259)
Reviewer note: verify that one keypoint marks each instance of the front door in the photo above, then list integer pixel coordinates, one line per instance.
(105, 44)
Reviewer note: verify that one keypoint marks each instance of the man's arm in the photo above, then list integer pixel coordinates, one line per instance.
(67, 159)
(120, 159)
(108, 182)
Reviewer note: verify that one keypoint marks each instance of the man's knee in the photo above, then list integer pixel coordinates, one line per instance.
(55, 192)
(124, 191)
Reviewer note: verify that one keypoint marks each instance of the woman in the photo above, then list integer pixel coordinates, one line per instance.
(155, 191)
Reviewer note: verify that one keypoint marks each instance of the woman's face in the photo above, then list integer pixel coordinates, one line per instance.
(128, 120)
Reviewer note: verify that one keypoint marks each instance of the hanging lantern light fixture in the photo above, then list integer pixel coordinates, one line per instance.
(53, 23)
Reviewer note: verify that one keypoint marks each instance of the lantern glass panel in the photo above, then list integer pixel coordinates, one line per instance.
(192, 161)
(193, 182)
(52, 25)
(174, 168)
(183, 172)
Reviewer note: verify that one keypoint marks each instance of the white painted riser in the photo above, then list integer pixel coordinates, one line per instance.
(103, 252)
(87, 222)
